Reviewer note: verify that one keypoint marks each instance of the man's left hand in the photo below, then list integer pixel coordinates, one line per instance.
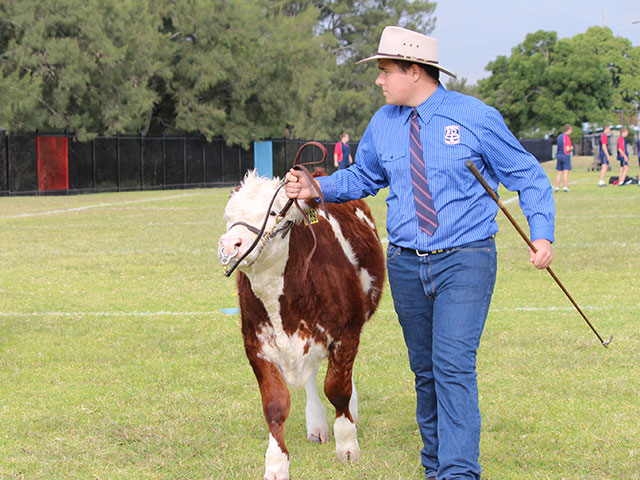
(543, 257)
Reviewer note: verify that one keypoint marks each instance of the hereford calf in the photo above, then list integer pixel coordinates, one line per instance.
(291, 323)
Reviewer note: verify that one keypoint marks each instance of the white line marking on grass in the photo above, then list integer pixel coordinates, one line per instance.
(107, 314)
(546, 309)
(163, 313)
(526, 309)
(99, 205)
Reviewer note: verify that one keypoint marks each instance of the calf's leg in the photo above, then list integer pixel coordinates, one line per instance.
(317, 428)
(338, 388)
(275, 405)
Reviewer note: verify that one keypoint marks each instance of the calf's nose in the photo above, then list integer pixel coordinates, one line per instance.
(229, 245)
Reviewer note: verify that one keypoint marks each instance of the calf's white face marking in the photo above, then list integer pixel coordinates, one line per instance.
(249, 204)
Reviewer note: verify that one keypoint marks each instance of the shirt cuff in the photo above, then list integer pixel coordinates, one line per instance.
(545, 231)
(328, 187)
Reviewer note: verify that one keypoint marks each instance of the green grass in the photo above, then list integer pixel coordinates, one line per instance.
(116, 361)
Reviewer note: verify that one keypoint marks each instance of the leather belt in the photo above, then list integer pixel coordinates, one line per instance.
(420, 253)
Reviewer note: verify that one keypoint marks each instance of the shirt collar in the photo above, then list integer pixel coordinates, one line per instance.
(427, 108)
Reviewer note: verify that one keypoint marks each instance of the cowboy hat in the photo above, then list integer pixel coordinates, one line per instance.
(397, 43)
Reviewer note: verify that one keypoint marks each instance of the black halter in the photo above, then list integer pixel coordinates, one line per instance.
(286, 227)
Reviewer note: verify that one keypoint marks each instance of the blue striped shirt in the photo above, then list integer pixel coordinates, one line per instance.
(453, 129)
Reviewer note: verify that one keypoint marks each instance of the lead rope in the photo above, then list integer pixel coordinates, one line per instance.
(260, 234)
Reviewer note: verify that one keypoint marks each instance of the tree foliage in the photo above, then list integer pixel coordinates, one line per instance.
(461, 85)
(254, 69)
(622, 61)
(75, 65)
(243, 70)
(547, 82)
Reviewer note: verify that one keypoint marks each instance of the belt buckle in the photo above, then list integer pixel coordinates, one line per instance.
(433, 252)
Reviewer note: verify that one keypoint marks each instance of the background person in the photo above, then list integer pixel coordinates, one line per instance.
(563, 155)
(604, 154)
(622, 156)
(341, 153)
(441, 258)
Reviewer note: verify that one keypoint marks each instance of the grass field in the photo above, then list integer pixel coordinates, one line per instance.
(117, 362)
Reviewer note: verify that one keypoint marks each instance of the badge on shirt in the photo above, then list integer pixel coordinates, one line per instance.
(452, 135)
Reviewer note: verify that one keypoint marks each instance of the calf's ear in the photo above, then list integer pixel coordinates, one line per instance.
(234, 190)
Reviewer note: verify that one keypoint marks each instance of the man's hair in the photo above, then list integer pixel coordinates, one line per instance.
(343, 135)
(430, 70)
(624, 129)
(566, 128)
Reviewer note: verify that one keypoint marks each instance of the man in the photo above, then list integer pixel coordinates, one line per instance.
(341, 153)
(604, 154)
(441, 258)
(622, 156)
(564, 157)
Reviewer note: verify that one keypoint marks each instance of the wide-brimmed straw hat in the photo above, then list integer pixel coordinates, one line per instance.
(397, 43)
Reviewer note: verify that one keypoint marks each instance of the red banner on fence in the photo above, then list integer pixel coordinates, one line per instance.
(53, 164)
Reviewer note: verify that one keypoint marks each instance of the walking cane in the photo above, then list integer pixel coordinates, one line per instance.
(476, 173)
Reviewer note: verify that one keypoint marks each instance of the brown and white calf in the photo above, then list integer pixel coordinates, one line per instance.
(291, 323)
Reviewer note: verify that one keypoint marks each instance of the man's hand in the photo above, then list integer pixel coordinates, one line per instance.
(298, 186)
(543, 257)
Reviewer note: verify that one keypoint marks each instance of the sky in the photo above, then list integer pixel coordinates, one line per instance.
(472, 33)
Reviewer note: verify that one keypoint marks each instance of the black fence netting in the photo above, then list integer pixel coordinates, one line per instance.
(124, 163)
(541, 148)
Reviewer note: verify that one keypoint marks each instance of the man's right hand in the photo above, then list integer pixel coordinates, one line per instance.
(298, 186)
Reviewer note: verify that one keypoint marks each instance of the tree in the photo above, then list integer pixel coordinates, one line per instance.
(546, 83)
(243, 70)
(77, 65)
(623, 64)
(236, 67)
(460, 85)
(349, 31)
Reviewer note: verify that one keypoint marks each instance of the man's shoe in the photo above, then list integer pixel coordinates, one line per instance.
(602, 184)
(566, 189)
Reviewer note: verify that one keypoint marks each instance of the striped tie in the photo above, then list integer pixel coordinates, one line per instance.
(427, 216)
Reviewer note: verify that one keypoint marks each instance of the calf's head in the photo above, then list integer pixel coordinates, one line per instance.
(245, 213)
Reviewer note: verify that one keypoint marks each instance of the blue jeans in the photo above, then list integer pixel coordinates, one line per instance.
(442, 301)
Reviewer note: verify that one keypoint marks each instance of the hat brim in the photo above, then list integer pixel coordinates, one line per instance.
(382, 56)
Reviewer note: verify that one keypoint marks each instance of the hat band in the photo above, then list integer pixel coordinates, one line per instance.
(408, 57)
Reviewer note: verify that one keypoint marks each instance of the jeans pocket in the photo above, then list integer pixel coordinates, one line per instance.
(475, 274)
(392, 252)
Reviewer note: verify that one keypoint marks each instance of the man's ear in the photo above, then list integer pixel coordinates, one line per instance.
(416, 72)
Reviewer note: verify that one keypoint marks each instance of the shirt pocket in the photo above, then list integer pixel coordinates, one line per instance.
(387, 158)
(456, 153)
(395, 164)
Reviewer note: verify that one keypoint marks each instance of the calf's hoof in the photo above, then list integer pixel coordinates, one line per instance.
(318, 435)
(273, 476)
(349, 455)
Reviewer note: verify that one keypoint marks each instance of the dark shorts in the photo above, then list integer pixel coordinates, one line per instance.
(603, 158)
(564, 163)
(623, 162)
